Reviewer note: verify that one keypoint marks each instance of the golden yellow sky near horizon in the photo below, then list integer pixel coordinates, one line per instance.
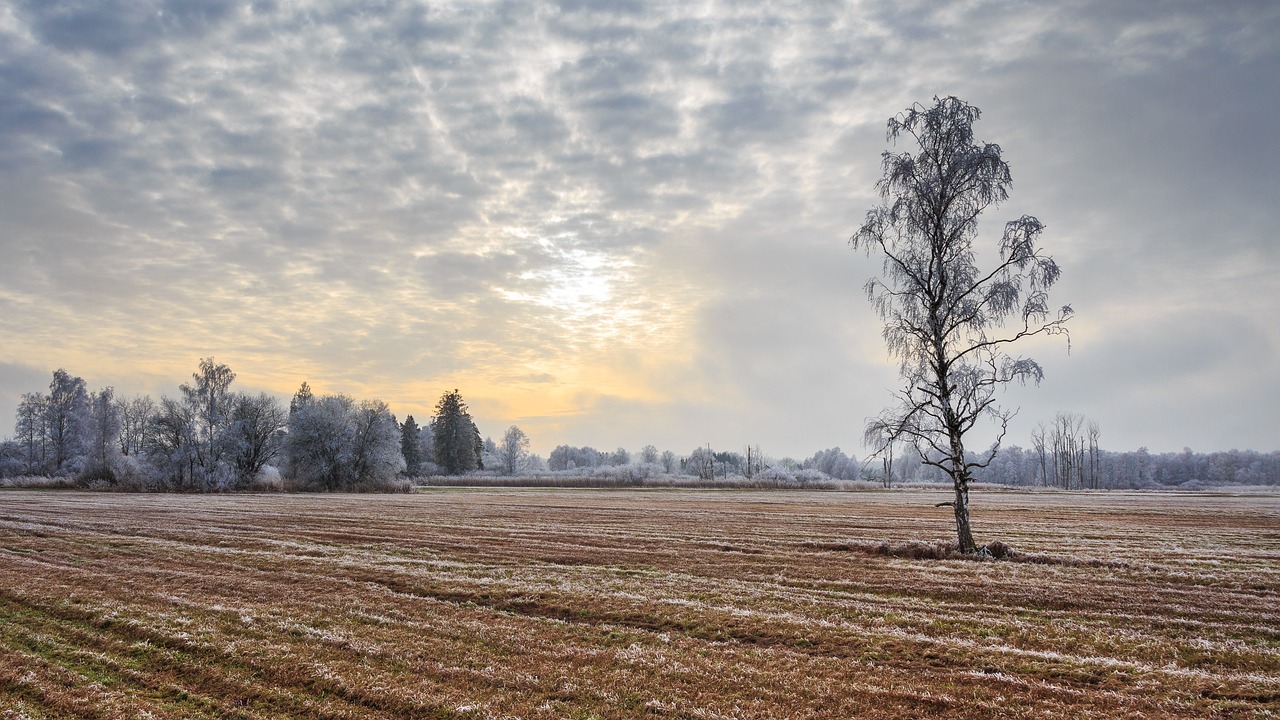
(604, 329)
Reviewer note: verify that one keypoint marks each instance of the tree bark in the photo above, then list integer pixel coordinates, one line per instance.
(964, 533)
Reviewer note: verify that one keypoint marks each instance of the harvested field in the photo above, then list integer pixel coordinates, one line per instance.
(519, 603)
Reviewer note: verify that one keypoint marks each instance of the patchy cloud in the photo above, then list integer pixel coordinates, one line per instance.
(623, 223)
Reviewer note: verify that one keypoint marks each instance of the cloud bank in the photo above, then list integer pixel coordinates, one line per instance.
(624, 223)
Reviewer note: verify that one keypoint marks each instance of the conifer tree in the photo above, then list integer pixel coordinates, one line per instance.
(409, 447)
(457, 443)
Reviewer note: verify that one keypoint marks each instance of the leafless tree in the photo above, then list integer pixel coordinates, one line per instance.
(1069, 452)
(1039, 442)
(136, 415)
(753, 462)
(513, 452)
(171, 443)
(1095, 455)
(649, 455)
(887, 462)
(670, 463)
(67, 406)
(209, 399)
(947, 321)
(31, 431)
(257, 433)
(702, 462)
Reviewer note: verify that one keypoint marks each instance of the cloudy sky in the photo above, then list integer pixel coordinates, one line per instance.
(620, 223)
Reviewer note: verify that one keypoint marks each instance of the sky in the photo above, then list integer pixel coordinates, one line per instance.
(626, 223)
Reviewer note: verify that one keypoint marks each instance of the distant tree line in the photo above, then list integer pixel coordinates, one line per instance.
(707, 464)
(209, 438)
(1138, 469)
(1065, 454)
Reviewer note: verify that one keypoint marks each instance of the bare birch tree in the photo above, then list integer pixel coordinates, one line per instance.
(947, 321)
(209, 400)
(514, 451)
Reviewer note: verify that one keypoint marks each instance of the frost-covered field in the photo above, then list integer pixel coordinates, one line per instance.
(519, 603)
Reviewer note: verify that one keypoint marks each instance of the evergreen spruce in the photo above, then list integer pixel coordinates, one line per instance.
(457, 444)
(409, 446)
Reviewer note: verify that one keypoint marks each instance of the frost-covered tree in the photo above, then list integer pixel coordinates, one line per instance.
(335, 443)
(426, 451)
(836, 463)
(457, 445)
(489, 457)
(101, 434)
(136, 414)
(649, 455)
(620, 457)
(256, 434)
(66, 406)
(11, 459)
(513, 451)
(701, 462)
(302, 398)
(31, 432)
(1068, 452)
(560, 458)
(947, 321)
(375, 456)
(567, 457)
(209, 400)
(318, 443)
(670, 463)
(171, 444)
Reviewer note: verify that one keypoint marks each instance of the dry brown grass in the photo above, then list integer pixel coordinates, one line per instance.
(620, 604)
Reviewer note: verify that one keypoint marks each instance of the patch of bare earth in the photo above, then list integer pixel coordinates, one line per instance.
(623, 604)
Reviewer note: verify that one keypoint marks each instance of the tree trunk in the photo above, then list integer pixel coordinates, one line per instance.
(960, 476)
(964, 533)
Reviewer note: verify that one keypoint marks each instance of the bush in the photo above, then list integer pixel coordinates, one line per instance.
(268, 479)
(97, 474)
(811, 476)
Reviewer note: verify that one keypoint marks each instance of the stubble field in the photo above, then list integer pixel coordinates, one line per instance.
(623, 604)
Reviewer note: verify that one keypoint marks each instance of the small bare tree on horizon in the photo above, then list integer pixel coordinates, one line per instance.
(514, 451)
(945, 318)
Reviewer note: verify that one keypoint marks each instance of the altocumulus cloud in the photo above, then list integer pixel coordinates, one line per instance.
(622, 223)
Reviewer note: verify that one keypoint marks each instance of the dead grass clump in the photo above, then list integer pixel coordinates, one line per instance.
(911, 550)
(921, 550)
(39, 482)
(1000, 550)
(950, 550)
(382, 485)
